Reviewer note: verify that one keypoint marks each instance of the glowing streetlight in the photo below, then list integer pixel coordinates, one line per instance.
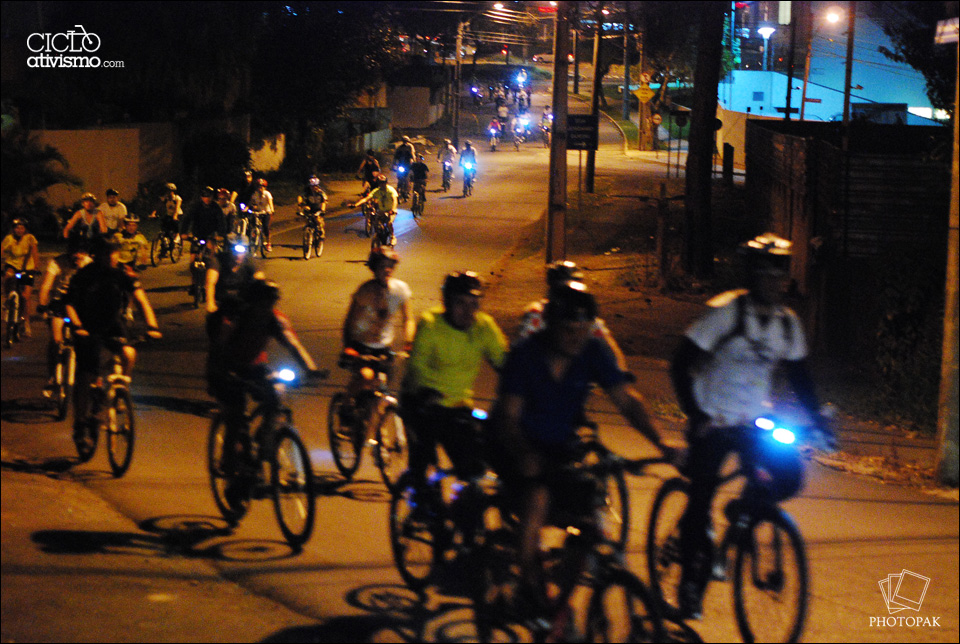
(766, 32)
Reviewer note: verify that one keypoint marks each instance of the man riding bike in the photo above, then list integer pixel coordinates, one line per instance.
(386, 199)
(418, 175)
(405, 153)
(368, 171)
(451, 343)
(544, 386)
(20, 253)
(261, 202)
(134, 247)
(229, 271)
(722, 374)
(95, 304)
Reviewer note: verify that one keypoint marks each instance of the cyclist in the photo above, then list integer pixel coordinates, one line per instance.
(386, 199)
(262, 201)
(447, 153)
(87, 222)
(20, 253)
(229, 210)
(113, 211)
(170, 210)
(722, 374)
(543, 389)
(237, 357)
(246, 190)
(450, 345)
(56, 279)
(405, 153)
(468, 155)
(95, 303)
(418, 174)
(559, 274)
(229, 271)
(495, 129)
(204, 220)
(368, 171)
(133, 245)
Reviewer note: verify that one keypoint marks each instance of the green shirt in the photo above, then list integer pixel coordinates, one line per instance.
(448, 360)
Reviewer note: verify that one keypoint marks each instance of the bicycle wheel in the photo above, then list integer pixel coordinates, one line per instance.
(86, 432)
(176, 250)
(291, 481)
(318, 246)
(120, 432)
(368, 223)
(495, 587)
(663, 545)
(622, 610)
(346, 441)
(307, 242)
(614, 514)
(64, 375)
(156, 250)
(413, 534)
(770, 580)
(392, 453)
(13, 318)
(230, 493)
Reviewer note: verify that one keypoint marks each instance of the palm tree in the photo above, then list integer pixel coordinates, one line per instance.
(29, 168)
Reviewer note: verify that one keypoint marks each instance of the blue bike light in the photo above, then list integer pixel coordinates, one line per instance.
(479, 414)
(765, 423)
(401, 169)
(287, 375)
(783, 435)
(468, 166)
(66, 320)
(240, 249)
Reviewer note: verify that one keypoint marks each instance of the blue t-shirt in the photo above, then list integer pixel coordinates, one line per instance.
(552, 410)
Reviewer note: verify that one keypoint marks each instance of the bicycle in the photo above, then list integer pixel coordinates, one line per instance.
(416, 203)
(258, 242)
(382, 231)
(447, 175)
(314, 231)
(769, 554)
(15, 305)
(113, 395)
(619, 607)
(198, 271)
(167, 244)
(469, 175)
(65, 372)
(371, 418)
(237, 473)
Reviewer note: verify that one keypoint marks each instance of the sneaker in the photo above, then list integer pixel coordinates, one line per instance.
(269, 247)
(50, 388)
(691, 601)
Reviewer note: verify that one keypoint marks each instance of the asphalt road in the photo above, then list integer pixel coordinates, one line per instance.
(146, 557)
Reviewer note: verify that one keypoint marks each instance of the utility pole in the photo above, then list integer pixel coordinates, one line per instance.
(595, 98)
(556, 243)
(457, 81)
(576, 60)
(790, 63)
(848, 74)
(626, 61)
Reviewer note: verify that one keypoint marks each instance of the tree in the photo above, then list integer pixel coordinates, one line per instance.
(29, 168)
(698, 255)
(911, 27)
(667, 37)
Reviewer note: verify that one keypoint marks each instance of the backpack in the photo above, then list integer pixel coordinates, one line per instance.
(739, 328)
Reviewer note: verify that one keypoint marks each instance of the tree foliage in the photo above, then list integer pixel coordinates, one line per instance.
(29, 168)
(911, 26)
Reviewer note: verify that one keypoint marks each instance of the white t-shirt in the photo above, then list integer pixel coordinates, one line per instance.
(369, 318)
(733, 386)
(113, 215)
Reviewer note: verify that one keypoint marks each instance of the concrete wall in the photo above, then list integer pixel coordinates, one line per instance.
(101, 158)
(411, 107)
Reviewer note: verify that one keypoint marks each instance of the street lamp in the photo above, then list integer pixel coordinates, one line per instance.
(766, 32)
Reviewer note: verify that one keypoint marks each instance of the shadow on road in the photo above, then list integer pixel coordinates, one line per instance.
(28, 411)
(202, 408)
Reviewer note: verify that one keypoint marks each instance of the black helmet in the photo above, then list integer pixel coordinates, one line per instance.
(382, 253)
(560, 273)
(261, 291)
(570, 302)
(462, 283)
(767, 251)
(19, 221)
(111, 192)
(207, 191)
(371, 153)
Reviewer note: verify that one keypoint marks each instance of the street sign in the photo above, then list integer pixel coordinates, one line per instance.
(813, 100)
(644, 94)
(582, 132)
(657, 119)
(645, 78)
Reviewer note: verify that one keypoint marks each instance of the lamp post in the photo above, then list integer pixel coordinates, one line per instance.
(833, 17)
(766, 32)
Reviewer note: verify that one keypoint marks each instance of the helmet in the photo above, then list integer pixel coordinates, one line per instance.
(560, 273)
(171, 187)
(112, 193)
(206, 192)
(447, 142)
(467, 143)
(406, 139)
(262, 182)
(261, 291)
(223, 192)
(381, 254)
(570, 302)
(88, 196)
(767, 251)
(314, 180)
(19, 221)
(131, 219)
(462, 283)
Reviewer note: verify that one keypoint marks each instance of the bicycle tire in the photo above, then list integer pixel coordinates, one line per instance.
(368, 223)
(13, 318)
(176, 251)
(64, 376)
(392, 452)
(86, 439)
(414, 537)
(663, 545)
(623, 610)
(291, 482)
(307, 242)
(495, 587)
(121, 431)
(345, 446)
(234, 506)
(156, 250)
(318, 247)
(614, 514)
(765, 549)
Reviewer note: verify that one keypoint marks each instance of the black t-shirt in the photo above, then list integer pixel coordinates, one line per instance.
(234, 273)
(204, 220)
(99, 294)
(419, 172)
